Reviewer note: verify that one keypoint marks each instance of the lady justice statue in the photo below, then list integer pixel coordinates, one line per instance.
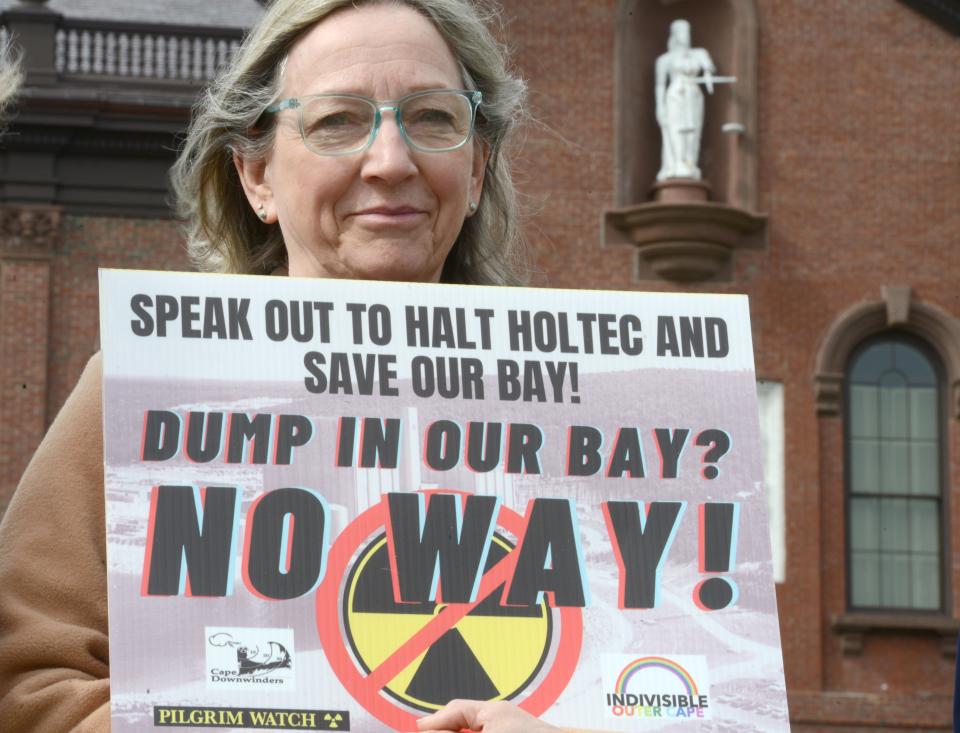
(680, 102)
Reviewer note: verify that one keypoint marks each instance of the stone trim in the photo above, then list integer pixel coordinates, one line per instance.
(896, 309)
(884, 710)
(689, 241)
(29, 232)
(897, 299)
(852, 627)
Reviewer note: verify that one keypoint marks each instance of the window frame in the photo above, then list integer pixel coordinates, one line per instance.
(937, 365)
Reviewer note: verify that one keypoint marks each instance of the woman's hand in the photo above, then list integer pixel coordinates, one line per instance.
(489, 717)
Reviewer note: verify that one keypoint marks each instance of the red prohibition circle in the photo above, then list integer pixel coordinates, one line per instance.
(357, 683)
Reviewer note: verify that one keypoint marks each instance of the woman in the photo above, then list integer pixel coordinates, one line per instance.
(297, 163)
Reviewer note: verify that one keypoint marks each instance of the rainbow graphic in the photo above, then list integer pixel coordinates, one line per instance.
(638, 665)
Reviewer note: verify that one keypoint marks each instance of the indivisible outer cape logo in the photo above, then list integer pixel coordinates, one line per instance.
(240, 658)
(655, 686)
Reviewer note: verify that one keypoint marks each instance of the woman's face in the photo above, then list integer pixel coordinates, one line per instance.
(389, 212)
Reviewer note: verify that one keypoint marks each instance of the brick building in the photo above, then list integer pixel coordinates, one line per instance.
(833, 203)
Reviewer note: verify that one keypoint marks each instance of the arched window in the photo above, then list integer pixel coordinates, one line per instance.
(894, 476)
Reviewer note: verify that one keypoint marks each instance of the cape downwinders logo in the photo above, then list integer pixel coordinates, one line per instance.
(241, 658)
(655, 686)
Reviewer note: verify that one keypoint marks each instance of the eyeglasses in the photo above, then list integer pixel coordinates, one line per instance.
(433, 121)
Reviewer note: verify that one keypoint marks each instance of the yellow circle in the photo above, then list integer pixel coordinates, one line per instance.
(509, 645)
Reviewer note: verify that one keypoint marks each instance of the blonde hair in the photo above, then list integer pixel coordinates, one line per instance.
(224, 234)
(10, 75)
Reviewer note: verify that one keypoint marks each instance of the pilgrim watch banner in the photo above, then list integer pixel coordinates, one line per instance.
(337, 505)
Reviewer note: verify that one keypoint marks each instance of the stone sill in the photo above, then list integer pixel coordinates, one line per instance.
(881, 710)
(852, 627)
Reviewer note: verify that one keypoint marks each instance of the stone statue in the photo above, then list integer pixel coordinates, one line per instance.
(680, 102)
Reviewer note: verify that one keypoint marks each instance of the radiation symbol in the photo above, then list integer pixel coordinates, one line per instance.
(492, 653)
(401, 660)
(333, 721)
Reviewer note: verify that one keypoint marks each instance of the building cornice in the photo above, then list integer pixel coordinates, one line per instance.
(104, 105)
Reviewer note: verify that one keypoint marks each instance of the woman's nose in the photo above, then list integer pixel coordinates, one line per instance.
(389, 158)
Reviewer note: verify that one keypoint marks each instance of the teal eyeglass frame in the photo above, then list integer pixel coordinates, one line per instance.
(473, 97)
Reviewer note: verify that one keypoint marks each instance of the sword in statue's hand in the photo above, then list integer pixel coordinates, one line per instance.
(709, 80)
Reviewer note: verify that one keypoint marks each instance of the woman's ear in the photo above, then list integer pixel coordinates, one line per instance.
(258, 192)
(481, 154)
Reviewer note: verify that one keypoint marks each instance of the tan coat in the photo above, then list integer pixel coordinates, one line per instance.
(54, 663)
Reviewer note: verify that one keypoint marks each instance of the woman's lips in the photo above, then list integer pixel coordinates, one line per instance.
(387, 216)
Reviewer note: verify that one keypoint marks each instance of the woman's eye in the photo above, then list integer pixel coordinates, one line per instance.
(433, 117)
(336, 119)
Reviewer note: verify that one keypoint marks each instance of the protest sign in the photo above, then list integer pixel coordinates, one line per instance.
(336, 505)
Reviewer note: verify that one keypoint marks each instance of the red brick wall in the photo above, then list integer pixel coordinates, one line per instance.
(89, 243)
(49, 321)
(23, 366)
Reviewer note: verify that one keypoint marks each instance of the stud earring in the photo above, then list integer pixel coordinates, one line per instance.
(473, 207)
(261, 213)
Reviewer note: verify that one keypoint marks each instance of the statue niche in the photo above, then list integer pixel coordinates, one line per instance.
(686, 190)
